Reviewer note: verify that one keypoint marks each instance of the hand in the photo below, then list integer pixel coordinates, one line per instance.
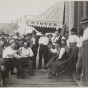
(2, 68)
(10, 56)
(59, 59)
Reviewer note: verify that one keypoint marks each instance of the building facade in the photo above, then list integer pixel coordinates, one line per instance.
(74, 11)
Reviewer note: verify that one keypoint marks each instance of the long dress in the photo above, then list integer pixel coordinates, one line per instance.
(56, 62)
(75, 55)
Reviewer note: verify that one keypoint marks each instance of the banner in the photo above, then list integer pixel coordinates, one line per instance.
(46, 24)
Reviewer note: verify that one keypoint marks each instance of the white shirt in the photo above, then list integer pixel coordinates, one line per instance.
(62, 51)
(26, 52)
(54, 39)
(85, 34)
(72, 39)
(33, 39)
(43, 40)
(9, 51)
(79, 42)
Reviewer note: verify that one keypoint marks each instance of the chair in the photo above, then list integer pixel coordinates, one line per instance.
(64, 67)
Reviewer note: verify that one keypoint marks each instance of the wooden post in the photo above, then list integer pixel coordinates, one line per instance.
(71, 16)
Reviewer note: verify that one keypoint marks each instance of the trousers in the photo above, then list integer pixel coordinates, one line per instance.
(42, 52)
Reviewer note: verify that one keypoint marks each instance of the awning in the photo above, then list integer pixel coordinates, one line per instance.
(51, 18)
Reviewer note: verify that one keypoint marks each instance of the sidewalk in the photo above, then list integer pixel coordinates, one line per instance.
(77, 81)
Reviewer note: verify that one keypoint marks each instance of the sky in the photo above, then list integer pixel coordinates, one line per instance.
(10, 10)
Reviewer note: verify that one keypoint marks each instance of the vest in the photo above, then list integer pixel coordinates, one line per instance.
(59, 40)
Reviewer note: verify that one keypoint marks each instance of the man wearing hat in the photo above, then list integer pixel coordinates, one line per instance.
(34, 47)
(84, 75)
(57, 36)
(3, 40)
(43, 42)
(8, 54)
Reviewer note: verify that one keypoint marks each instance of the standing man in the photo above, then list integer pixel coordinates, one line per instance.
(84, 75)
(57, 36)
(43, 42)
(29, 39)
(34, 47)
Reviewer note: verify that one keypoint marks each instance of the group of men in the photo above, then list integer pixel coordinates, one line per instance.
(23, 50)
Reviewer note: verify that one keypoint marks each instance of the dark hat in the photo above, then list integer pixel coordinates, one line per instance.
(83, 20)
(33, 32)
(17, 33)
(73, 30)
(49, 35)
(7, 35)
(43, 32)
(59, 30)
(3, 33)
(11, 41)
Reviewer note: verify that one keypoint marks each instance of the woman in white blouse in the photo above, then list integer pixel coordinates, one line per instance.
(72, 43)
(79, 62)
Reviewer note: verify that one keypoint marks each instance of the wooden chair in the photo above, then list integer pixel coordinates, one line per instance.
(64, 67)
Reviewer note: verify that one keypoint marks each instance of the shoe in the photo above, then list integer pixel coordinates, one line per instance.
(20, 76)
(50, 76)
(31, 74)
(12, 73)
(44, 67)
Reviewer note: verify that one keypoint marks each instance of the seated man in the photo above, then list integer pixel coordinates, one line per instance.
(8, 62)
(26, 54)
(59, 58)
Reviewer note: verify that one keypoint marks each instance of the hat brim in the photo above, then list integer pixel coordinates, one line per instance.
(82, 23)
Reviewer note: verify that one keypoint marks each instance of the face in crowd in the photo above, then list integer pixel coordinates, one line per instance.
(25, 44)
(33, 35)
(63, 42)
(72, 33)
(13, 45)
(57, 45)
(57, 33)
(84, 26)
(29, 37)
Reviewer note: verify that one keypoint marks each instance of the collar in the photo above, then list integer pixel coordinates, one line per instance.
(86, 28)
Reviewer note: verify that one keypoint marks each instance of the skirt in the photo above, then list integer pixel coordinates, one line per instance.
(75, 55)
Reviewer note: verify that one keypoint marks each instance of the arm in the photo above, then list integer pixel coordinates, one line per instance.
(16, 56)
(53, 50)
(31, 52)
(39, 41)
(62, 51)
(5, 53)
(68, 42)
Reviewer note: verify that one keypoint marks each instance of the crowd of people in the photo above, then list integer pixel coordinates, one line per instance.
(20, 51)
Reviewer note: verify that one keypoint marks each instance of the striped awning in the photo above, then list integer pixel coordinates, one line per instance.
(51, 18)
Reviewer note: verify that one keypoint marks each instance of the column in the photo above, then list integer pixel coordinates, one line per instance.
(71, 16)
(84, 8)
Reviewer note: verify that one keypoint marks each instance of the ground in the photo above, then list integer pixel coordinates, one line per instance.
(40, 80)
